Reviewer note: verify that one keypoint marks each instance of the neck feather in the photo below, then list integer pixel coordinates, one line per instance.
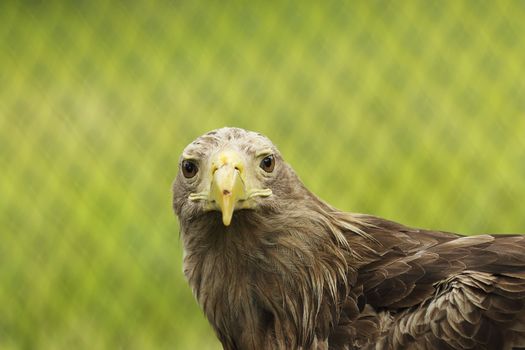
(268, 272)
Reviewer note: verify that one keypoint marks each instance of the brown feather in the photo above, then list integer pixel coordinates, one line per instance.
(296, 273)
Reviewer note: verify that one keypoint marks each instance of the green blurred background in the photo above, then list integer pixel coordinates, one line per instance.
(411, 110)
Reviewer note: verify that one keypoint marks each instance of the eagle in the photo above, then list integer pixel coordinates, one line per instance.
(274, 267)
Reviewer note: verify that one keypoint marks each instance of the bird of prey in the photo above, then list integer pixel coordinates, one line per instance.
(274, 267)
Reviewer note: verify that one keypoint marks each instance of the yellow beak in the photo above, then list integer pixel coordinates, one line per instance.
(227, 187)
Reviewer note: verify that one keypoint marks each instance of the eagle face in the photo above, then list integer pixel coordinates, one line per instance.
(228, 170)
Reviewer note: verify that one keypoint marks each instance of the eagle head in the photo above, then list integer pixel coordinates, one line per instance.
(230, 170)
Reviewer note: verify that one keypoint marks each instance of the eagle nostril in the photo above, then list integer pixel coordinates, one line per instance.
(226, 192)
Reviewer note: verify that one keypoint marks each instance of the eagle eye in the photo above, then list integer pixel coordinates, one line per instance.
(189, 168)
(268, 163)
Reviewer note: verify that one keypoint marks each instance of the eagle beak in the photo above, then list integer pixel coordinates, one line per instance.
(227, 187)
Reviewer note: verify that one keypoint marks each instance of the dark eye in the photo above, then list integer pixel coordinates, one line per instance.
(268, 163)
(189, 168)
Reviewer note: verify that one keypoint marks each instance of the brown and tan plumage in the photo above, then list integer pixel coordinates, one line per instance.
(275, 267)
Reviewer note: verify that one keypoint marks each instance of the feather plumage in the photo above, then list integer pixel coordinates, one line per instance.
(292, 272)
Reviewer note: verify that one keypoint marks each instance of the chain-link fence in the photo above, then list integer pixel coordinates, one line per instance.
(410, 110)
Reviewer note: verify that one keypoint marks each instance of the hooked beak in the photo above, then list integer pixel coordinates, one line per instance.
(227, 188)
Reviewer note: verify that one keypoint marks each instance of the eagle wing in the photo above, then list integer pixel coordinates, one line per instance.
(434, 290)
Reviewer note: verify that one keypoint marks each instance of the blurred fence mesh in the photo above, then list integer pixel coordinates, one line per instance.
(410, 110)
